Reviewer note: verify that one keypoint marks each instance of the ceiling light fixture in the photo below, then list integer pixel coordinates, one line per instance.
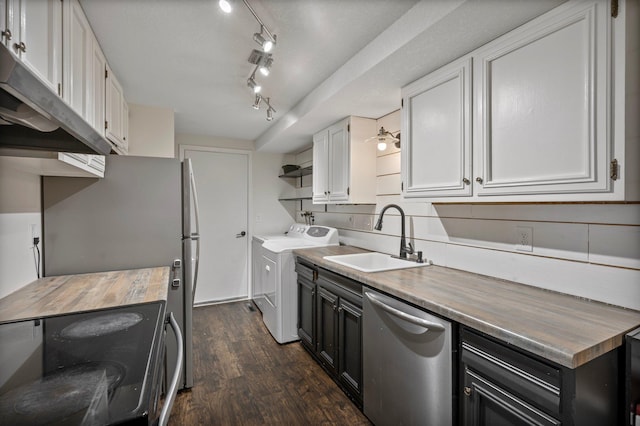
(383, 137)
(256, 103)
(225, 5)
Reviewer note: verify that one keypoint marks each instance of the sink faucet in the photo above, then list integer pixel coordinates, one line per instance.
(404, 248)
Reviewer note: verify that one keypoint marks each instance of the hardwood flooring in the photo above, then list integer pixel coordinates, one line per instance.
(242, 376)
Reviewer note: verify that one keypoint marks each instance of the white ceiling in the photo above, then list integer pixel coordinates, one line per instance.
(333, 58)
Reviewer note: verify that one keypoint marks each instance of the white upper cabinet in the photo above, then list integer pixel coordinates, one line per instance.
(33, 31)
(436, 133)
(77, 59)
(344, 166)
(117, 111)
(548, 109)
(542, 96)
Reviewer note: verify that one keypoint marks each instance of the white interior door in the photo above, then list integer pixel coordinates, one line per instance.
(222, 180)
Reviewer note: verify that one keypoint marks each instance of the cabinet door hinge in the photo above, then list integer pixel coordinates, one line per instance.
(106, 73)
(613, 169)
(106, 124)
(401, 186)
(348, 190)
(401, 103)
(59, 89)
(614, 8)
(348, 128)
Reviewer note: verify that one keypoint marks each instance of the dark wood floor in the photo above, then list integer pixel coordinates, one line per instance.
(242, 376)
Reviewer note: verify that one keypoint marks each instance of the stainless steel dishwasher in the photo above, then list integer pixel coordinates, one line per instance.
(408, 356)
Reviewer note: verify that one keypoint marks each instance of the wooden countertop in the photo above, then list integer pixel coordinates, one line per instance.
(85, 292)
(564, 329)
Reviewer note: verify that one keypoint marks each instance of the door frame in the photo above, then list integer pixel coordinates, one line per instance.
(249, 155)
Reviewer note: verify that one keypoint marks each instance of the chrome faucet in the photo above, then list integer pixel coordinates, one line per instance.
(404, 248)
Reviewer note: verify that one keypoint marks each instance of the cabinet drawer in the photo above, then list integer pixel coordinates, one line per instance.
(342, 286)
(305, 271)
(532, 380)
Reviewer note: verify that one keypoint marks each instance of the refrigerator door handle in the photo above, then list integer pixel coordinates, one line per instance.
(195, 236)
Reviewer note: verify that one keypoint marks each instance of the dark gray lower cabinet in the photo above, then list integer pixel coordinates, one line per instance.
(330, 325)
(306, 305)
(503, 386)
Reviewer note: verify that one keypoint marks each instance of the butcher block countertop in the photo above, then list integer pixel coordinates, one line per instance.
(85, 292)
(564, 329)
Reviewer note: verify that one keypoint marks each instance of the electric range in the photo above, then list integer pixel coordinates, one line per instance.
(90, 368)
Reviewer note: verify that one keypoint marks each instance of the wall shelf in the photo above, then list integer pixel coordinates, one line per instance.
(294, 199)
(305, 171)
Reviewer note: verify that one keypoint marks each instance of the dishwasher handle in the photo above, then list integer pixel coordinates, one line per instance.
(430, 326)
(173, 388)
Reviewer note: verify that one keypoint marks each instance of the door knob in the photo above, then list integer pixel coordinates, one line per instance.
(240, 235)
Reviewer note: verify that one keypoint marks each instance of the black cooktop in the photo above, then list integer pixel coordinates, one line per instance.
(98, 367)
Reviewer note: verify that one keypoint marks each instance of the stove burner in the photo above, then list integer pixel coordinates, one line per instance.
(101, 325)
(60, 397)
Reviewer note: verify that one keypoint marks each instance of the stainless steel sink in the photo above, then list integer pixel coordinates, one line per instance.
(373, 262)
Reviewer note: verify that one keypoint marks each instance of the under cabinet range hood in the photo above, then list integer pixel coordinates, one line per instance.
(32, 117)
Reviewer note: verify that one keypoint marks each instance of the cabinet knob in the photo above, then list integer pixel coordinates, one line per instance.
(479, 179)
(267, 268)
(467, 390)
(7, 34)
(20, 46)
(465, 181)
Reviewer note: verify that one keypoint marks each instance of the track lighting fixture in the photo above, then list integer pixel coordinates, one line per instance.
(253, 85)
(256, 103)
(225, 5)
(383, 137)
(261, 59)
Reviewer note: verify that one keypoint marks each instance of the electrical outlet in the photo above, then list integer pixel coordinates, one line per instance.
(524, 238)
(34, 232)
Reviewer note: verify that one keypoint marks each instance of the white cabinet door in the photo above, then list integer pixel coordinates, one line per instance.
(542, 104)
(5, 31)
(77, 53)
(125, 126)
(344, 166)
(436, 133)
(35, 36)
(98, 83)
(117, 112)
(320, 182)
(339, 161)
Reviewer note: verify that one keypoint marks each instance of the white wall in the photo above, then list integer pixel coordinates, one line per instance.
(19, 209)
(587, 250)
(151, 131)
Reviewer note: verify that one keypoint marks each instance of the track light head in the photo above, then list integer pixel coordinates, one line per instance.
(225, 5)
(267, 44)
(270, 110)
(253, 85)
(265, 66)
(256, 103)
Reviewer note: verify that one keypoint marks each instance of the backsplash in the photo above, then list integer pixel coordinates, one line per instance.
(19, 210)
(587, 250)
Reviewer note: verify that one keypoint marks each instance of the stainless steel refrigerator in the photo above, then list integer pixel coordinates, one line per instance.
(142, 214)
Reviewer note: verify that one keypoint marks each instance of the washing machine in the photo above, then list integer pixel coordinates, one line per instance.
(275, 290)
